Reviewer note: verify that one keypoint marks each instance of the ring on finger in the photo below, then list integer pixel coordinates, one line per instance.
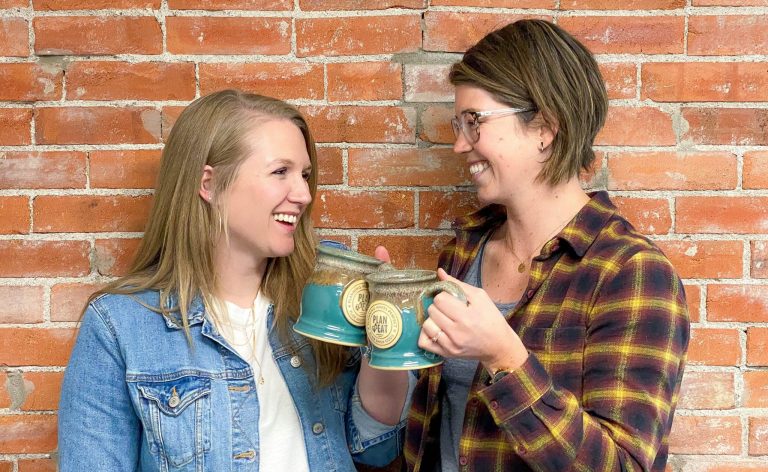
(437, 336)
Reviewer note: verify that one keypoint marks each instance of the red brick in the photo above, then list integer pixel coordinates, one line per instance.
(438, 210)
(330, 163)
(285, 81)
(364, 81)
(759, 263)
(15, 211)
(436, 124)
(42, 169)
(693, 297)
(755, 170)
(354, 124)
(744, 303)
(371, 209)
(757, 346)
(37, 465)
(35, 347)
(325, 5)
(5, 398)
(115, 256)
(97, 35)
(407, 252)
(620, 79)
(705, 435)
(357, 35)
(705, 259)
(428, 83)
(721, 214)
(14, 126)
(630, 5)
(44, 258)
(14, 36)
(756, 389)
(124, 169)
(699, 464)
(14, 4)
(735, 3)
(630, 126)
(97, 125)
(628, 34)
(42, 5)
(714, 347)
(42, 390)
(21, 304)
(68, 300)
(758, 436)
(27, 434)
(733, 126)
(457, 31)
(408, 167)
(647, 215)
(714, 35)
(6, 466)
(118, 80)
(672, 171)
(27, 82)
(550, 4)
(169, 117)
(270, 5)
(704, 82)
(90, 213)
(707, 391)
(228, 35)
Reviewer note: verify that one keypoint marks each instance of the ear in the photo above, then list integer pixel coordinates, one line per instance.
(206, 184)
(546, 134)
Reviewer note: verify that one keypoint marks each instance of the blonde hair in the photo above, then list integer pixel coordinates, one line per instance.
(536, 65)
(175, 256)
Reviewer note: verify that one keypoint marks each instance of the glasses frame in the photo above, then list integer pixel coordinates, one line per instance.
(460, 125)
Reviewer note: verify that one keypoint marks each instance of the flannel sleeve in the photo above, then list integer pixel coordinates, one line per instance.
(634, 352)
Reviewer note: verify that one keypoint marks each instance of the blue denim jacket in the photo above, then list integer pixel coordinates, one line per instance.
(136, 397)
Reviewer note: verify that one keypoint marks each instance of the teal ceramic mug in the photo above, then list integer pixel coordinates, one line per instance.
(335, 297)
(396, 312)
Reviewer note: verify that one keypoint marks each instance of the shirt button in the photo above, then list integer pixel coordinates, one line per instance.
(521, 450)
(318, 428)
(174, 401)
(494, 404)
(295, 361)
(529, 294)
(463, 460)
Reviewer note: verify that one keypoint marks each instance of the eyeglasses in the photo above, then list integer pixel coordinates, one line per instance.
(468, 122)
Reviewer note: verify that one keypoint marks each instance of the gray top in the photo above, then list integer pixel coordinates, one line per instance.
(457, 377)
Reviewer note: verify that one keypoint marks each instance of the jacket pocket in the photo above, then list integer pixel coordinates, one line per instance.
(177, 417)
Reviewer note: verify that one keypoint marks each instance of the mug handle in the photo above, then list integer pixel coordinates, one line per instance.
(434, 289)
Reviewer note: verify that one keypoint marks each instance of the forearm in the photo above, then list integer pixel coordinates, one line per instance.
(382, 392)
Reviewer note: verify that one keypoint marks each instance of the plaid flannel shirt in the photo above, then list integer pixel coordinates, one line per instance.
(605, 321)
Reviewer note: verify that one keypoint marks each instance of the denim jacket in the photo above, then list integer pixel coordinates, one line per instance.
(137, 397)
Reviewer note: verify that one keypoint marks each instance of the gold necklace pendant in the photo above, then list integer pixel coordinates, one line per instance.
(521, 267)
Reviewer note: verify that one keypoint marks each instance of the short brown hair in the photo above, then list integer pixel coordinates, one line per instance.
(536, 65)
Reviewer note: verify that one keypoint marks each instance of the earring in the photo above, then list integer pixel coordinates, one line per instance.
(541, 147)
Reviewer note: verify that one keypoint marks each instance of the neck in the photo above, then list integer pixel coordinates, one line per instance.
(238, 278)
(535, 217)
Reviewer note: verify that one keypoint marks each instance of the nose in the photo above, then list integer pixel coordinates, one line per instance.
(300, 192)
(462, 144)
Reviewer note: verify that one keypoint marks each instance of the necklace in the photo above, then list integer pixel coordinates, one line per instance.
(521, 267)
(254, 357)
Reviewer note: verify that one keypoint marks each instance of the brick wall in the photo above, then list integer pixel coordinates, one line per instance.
(90, 88)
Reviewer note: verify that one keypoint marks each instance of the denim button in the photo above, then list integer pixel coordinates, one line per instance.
(174, 401)
(318, 428)
(295, 361)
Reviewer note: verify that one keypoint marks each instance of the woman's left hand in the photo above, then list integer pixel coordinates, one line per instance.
(472, 330)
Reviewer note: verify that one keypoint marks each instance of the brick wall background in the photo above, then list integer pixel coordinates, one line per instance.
(90, 88)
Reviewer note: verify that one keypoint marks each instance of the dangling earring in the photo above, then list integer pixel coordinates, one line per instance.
(541, 147)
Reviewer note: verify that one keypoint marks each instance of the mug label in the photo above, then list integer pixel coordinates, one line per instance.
(354, 301)
(385, 326)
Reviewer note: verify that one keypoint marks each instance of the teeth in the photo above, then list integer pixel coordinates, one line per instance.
(292, 219)
(478, 167)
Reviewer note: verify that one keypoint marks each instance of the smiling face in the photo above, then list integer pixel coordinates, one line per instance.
(506, 157)
(269, 193)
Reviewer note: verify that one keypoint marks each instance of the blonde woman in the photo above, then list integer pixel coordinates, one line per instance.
(189, 363)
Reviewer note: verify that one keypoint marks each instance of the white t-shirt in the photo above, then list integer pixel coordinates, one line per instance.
(280, 438)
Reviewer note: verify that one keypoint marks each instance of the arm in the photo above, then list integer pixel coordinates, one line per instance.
(97, 426)
(634, 349)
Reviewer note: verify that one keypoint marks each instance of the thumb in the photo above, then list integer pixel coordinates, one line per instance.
(443, 275)
(382, 254)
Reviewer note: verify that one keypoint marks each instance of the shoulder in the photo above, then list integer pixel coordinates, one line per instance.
(123, 310)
